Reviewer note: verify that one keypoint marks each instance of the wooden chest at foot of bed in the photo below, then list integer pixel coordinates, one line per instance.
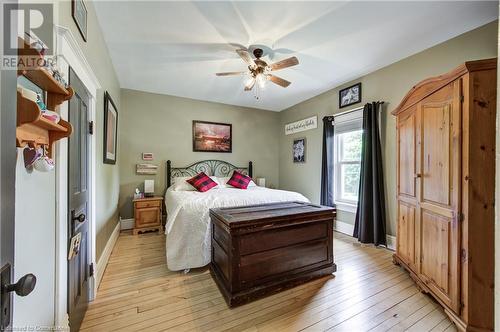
(263, 249)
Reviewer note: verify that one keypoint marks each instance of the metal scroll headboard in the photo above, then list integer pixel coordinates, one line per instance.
(210, 167)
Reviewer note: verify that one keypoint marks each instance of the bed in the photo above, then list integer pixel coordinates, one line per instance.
(188, 212)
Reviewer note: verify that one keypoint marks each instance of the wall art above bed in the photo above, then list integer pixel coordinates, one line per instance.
(212, 136)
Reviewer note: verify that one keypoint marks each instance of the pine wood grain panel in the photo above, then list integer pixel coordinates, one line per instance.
(480, 195)
(138, 293)
(407, 166)
(406, 232)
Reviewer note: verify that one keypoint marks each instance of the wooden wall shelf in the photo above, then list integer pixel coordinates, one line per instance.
(32, 128)
(45, 81)
(35, 130)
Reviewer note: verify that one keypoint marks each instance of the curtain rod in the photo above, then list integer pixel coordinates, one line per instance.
(353, 110)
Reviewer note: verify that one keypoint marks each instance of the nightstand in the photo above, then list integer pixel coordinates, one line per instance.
(148, 214)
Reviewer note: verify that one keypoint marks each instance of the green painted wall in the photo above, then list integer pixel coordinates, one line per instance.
(162, 124)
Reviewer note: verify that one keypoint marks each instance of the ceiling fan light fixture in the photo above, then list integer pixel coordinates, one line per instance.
(261, 81)
(249, 82)
(259, 71)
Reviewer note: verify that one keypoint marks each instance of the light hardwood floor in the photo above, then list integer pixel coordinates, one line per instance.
(139, 293)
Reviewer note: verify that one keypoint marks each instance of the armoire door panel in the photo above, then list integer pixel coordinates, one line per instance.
(436, 152)
(435, 253)
(438, 256)
(406, 233)
(407, 133)
(439, 192)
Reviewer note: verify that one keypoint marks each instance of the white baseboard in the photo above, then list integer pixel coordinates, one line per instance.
(343, 227)
(348, 229)
(103, 260)
(127, 224)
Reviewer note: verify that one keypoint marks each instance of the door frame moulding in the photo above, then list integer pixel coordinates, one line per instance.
(67, 48)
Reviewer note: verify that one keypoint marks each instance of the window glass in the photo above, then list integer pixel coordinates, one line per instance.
(350, 145)
(350, 182)
(348, 163)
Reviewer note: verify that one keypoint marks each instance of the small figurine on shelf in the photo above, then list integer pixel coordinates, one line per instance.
(40, 102)
(52, 68)
(51, 115)
(36, 43)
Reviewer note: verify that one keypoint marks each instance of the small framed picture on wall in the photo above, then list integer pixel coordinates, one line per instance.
(299, 150)
(110, 130)
(350, 95)
(79, 13)
(147, 156)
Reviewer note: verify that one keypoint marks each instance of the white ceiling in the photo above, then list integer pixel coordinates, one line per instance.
(176, 48)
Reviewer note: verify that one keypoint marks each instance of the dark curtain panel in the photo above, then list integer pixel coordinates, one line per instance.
(327, 162)
(370, 215)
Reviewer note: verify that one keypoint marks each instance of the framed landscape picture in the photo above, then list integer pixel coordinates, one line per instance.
(350, 95)
(79, 13)
(212, 137)
(110, 129)
(299, 150)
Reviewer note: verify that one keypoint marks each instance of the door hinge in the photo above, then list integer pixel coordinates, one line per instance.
(462, 98)
(91, 269)
(91, 127)
(461, 217)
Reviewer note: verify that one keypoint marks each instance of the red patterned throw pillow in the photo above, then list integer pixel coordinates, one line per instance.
(202, 182)
(239, 180)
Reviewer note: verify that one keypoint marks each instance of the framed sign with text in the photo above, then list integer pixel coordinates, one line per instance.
(301, 125)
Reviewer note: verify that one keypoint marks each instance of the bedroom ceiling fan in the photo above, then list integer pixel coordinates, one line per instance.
(259, 71)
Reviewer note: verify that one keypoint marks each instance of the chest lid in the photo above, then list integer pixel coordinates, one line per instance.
(244, 215)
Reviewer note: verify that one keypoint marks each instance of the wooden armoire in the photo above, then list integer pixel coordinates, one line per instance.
(446, 190)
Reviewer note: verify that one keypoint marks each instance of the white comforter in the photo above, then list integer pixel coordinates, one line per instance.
(188, 223)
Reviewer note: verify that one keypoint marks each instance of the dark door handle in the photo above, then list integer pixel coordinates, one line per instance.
(24, 286)
(80, 218)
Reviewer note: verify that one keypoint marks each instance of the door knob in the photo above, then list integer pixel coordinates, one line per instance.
(24, 286)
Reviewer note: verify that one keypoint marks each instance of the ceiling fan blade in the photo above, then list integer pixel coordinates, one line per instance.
(231, 73)
(278, 80)
(249, 85)
(288, 62)
(246, 57)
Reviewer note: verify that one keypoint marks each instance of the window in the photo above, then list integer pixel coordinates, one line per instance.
(347, 159)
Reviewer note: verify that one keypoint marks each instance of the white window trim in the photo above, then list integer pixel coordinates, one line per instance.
(343, 205)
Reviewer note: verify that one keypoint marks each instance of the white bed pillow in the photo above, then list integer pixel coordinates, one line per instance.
(216, 180)
(180, 183)
(223, 182)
